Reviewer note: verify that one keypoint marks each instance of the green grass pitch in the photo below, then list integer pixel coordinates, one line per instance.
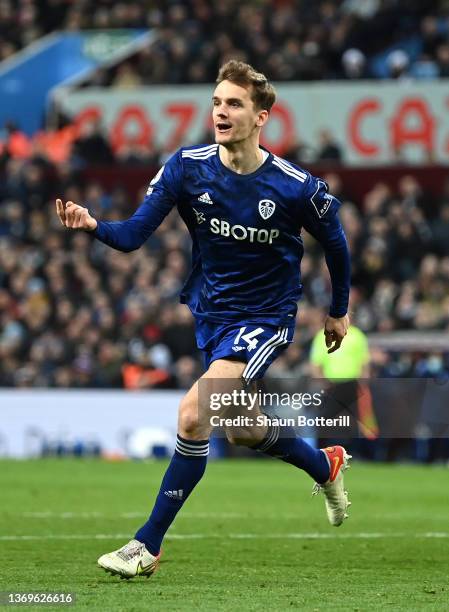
(250, 537)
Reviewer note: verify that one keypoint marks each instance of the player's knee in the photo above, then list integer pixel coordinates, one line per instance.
(241, 436)
(188, 419)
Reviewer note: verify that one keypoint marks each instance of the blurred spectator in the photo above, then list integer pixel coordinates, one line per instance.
(431, 35)
(92, 147)
(14, 142)
(440, 232)
(126, 77)
(138, 155)
(329, 150)
(442, 57)
(398, 64)
(354, 64)
(425, 67)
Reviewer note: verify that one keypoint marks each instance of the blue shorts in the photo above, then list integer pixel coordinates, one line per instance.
(256, 344)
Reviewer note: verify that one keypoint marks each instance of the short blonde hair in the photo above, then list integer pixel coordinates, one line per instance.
(263, 93)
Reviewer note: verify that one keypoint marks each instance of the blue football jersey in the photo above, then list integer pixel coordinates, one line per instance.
(246, 234)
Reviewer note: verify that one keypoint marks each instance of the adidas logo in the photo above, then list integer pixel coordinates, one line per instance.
(238, 348)
(205, 198)
(175, 494)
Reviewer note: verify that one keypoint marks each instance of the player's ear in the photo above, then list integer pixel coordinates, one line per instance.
(262, 118)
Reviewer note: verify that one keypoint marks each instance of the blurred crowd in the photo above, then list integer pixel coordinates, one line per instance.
(75, 313)
(89, 144)
(287, 39)
(80, 145)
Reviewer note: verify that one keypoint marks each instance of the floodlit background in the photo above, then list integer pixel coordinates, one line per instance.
(95, 350)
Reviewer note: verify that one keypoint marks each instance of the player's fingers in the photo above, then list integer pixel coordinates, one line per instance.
(75, 222)
(83, 215)
(328, 338)
(70, 213)
(76, 218)
(337, 344)
(80, 218)
(68, 216)
(60, 211)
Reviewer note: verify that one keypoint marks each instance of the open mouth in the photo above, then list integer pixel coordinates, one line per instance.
(223, 127)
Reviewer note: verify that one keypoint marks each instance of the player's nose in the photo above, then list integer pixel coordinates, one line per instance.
(221, 113)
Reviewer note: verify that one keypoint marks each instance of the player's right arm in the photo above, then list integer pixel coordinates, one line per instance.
(129, 235)
(318, 215)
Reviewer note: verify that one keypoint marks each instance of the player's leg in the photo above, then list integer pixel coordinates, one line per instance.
(141, 555)
(258, 348)
(326, 465)
(278, 441)
(189, 461)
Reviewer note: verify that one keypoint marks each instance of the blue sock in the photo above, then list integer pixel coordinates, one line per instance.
(284, 444)
(183, 474)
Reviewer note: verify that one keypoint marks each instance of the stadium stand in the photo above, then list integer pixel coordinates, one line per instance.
(287, 39)
(76, 314)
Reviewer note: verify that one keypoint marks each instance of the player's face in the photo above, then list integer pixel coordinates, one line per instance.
(235, 118)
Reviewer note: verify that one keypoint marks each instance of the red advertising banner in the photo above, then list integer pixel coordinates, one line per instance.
(375, 123)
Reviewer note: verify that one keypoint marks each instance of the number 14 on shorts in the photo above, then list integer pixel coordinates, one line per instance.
(250, 338)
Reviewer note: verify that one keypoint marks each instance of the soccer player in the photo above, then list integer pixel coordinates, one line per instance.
(244, 208)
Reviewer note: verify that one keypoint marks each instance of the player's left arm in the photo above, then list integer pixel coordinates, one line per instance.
(162, 195)
(319, 216)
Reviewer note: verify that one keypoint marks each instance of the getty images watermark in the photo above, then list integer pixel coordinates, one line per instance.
(246, 401)
(383, 408)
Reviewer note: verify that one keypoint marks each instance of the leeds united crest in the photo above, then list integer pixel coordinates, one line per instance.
(266, 208)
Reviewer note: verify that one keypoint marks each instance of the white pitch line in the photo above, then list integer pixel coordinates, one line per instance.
(63, 515)
(233, 536)
(192, 515)
(132, 515)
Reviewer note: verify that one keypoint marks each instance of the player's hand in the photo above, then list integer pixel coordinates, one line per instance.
(334, 332)
(74, 216)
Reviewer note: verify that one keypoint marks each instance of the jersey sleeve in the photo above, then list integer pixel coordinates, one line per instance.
(163, 193)
(318, 215)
